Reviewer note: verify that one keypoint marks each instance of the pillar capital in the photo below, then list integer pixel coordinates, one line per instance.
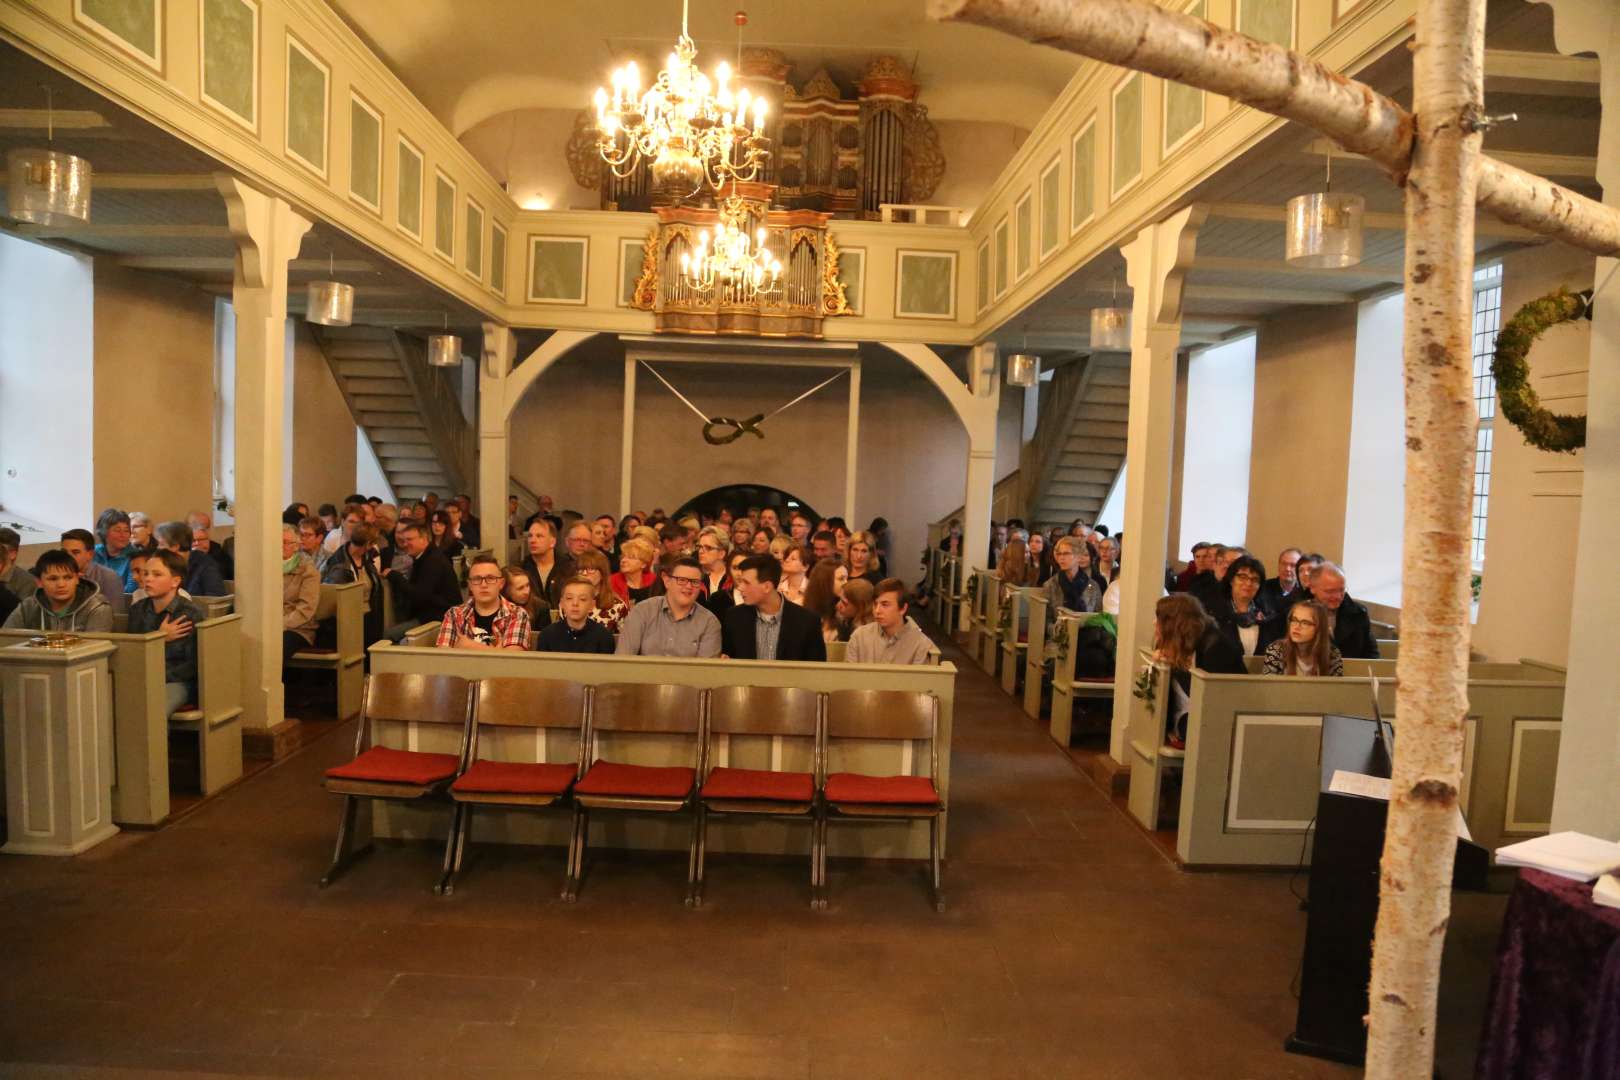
(1156, 265)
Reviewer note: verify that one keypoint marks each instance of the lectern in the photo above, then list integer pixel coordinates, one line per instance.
(1344, 903)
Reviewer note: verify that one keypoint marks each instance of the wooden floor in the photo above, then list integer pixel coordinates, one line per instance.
(1071, 948)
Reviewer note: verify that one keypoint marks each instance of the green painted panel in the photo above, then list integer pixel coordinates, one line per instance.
(230, 64)
(984, 276)
(926, 284)
(630, 257)
(852, 273)
(557, 270)
(410, 190)
(444, 216)
(1049, 210)
(473, 244)
(1128, 132)
(1083, 177)
(497, 261)
(1003, 278)
(365, 154)
(1183, 105)
(306, 108)
(1268, 20)
(1024, 236)
(134, 22)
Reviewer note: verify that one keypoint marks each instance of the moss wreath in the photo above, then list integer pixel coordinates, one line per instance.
(1541, 428)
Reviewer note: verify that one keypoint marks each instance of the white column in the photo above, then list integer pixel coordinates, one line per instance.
(494, 449)
(852, 449)
(1587, 795)
(1156, 264)
(628, 435)
(268, 233)
(985, 387)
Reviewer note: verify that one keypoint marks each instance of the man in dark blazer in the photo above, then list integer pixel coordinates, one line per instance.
(430, 586)
(1352, 626)
(766, 626)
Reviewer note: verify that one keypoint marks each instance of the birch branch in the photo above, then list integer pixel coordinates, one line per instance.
(1142, 36)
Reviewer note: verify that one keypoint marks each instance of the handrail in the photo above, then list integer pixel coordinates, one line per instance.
(1067, 391)
(439, 402)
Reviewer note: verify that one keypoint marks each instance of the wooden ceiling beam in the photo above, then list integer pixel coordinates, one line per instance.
(1219, 264)
(209, 264)
(149, 182)
(1511, 71)
(1564, 166)
(1485, 224)
(122, 232)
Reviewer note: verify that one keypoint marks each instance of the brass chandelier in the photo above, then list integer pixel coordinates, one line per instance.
(738, 266)
(693, 129)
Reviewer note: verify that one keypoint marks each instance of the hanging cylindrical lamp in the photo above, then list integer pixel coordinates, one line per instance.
(331, 303)
(1324, 229)
(47, 187)
(1023, 369)
(444, 350)
(1111, 326)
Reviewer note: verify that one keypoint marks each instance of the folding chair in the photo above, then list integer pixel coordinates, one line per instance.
(893, 715)
(385, 772)
(640, 710)
(777, 713)
(504, 711)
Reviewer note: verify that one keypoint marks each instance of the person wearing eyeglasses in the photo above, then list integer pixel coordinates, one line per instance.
(1238, 613)
(1307, 648)
(673, 624)
(488, 620)
(713, 552)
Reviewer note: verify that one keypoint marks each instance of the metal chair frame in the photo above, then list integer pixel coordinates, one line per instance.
(546, 704)
(874, 714)
(389, 692)
(778, 712)
(647, 709)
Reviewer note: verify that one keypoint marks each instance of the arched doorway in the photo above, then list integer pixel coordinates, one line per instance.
(739, 497)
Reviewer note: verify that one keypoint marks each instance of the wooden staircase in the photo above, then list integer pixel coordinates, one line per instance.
(411, 412)
(1079, 444)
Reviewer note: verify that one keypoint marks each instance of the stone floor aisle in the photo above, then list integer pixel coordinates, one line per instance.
(1070, 948)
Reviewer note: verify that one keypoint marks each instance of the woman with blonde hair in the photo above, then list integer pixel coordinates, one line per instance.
(610, 611)
(1307, 648)
(854, 608)
(637, 578)
(822, 592)
(861, 557)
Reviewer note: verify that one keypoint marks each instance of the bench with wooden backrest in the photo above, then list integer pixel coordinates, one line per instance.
(215, 606)
(1147, 751)
(1066, 688)
(1015, 637)
(989, 640)
(953, 593)
(346, 661)
(1038, 653)
(664, 832)
(1252, 770)
(216, 716)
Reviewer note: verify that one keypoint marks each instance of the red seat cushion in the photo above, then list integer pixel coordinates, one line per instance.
(385, 765)
(514, 778)
(724, 783)
(612, 778)
(900, 790)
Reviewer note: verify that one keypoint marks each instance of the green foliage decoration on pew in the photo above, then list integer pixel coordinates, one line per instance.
(1147, 685)
(1541, 427)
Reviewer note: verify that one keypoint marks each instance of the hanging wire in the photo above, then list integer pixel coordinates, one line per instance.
(807, 393)
(706, 419)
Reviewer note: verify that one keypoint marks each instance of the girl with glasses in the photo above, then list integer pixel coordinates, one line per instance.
(610, 611)
(1307, 647)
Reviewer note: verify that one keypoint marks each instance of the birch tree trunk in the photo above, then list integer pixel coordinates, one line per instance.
(1431, 697)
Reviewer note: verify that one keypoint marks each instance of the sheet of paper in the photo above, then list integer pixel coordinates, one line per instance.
(1607, 891)
(1354, 783)
(1569, 854)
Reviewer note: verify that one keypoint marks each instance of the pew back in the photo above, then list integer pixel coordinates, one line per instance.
(1253, 758)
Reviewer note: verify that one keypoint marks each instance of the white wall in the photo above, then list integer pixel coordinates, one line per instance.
(369, 478)
(1220, 423)
(1374, 512)
(47, 405)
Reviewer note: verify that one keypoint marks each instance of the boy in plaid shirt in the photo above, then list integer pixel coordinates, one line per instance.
(488, 620)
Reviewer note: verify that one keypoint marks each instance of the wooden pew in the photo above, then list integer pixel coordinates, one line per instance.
(346, 662)
(422, 637)
(1147, 751)
(1066, 689)
(217, 719)
(1015, 637)
(836, 651)
(215, 606)
(1253, 742)
(907, 840)
(953, 592)
(1037, 655)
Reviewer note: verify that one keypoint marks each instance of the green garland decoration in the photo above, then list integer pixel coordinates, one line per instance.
(1541, 427)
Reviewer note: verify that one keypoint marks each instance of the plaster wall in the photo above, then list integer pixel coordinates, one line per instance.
(1304, 376)
(46, 404)
(1533, 518)
(566, 440)
(154, 393)
(322, 447)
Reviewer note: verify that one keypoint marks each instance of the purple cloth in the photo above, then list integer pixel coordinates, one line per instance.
(1554, 1010)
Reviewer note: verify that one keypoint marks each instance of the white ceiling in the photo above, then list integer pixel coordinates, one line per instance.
(469, 61)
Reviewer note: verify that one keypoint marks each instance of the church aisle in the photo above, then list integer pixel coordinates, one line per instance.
(1070, 948)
